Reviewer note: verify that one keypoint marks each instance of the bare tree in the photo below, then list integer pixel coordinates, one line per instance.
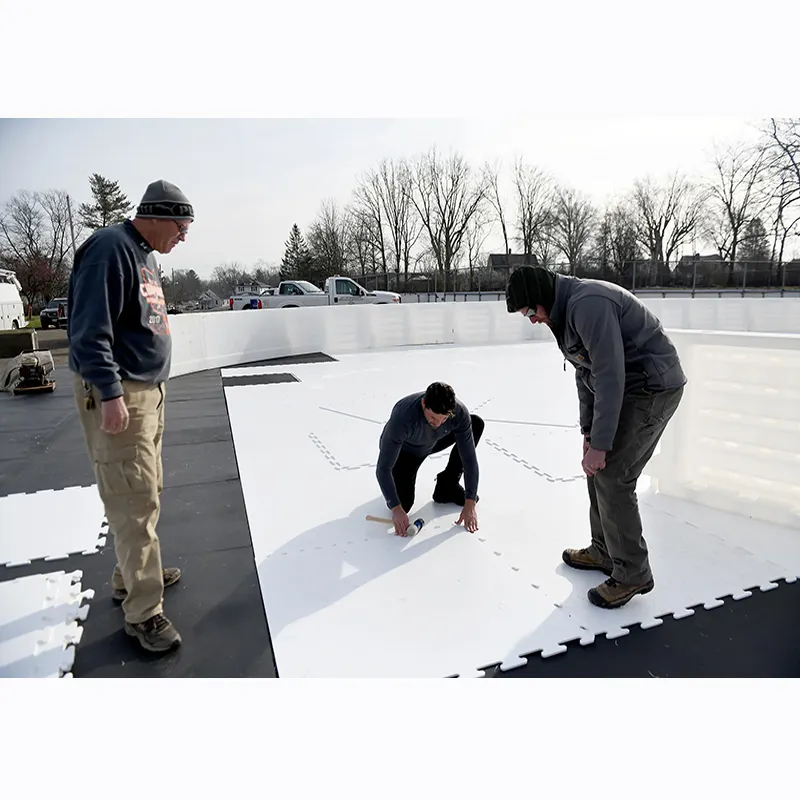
(35, 237)
(327, 241)
(623, 238)
(446, 196)
(737, 196)
(666, 216)
(535, 213)
(411, 230)
(227, 276)
(782, 151)
(368, 206)
(493, 196)
(267, 273)
(360, 243)
(574, 223)
(478, 231)
(402, 223)
(785, 134)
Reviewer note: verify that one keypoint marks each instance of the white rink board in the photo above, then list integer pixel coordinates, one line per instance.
(38, 624)
(51, 524)
(345, 598)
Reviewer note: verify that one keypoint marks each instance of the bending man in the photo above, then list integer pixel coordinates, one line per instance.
(421, 424)
(630, 383)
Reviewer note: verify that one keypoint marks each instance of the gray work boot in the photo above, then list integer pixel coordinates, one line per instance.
(170, 575)
(613, 594)
(587, 558)
(156, 634)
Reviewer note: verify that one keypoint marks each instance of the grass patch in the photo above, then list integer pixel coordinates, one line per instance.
(35, 322)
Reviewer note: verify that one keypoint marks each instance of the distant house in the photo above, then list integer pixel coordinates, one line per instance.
(251, 287)
(209, 299)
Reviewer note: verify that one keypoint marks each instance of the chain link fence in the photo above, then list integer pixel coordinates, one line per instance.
(689, 275)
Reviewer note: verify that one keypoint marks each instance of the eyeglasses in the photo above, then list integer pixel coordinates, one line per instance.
(531, 312)
(182, 229)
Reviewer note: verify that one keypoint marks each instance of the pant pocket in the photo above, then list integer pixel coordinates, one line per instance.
(121, 471)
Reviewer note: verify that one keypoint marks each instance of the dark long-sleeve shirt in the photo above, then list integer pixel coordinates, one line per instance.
(118, 327)
(407, 429)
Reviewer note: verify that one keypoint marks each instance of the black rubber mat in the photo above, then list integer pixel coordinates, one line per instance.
(256, 380)
(756, 637)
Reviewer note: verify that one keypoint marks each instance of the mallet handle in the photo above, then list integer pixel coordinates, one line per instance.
(379, 519)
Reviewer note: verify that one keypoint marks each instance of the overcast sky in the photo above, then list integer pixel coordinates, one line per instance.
(250, 180)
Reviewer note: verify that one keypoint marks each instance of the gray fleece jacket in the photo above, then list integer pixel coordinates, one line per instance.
(617, 346)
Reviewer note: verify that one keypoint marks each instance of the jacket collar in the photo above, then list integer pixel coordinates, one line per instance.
(565, 284)
(137, 237)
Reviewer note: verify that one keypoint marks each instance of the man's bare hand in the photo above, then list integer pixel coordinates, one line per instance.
(586, 445)
(400, 520)
(593, 461)
(469, 516)
(114, 415)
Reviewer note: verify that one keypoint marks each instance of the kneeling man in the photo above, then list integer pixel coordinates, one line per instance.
(421, 424)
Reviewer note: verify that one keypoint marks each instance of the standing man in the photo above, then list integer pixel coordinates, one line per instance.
(630, 383)
(120, 351)
(421, 424)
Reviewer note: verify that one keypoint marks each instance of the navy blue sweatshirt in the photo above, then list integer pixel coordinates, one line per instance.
(117, 327)
(407, 429)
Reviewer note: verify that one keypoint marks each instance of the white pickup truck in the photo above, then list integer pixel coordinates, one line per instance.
(300, 294)
(244, 300)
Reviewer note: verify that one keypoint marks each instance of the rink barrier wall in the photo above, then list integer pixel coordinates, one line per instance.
(734, 443)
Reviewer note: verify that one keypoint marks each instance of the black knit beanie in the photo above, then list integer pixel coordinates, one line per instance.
(164, 200)
(529, 287)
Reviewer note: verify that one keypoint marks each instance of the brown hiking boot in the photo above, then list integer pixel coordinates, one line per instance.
(171, 575)
(587, 558)
(613, 594)
(156, 634)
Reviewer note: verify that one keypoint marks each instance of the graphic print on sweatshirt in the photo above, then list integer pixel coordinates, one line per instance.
(154, 295)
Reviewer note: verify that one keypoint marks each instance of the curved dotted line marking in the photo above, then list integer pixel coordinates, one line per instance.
(532, 467)
(331, 458)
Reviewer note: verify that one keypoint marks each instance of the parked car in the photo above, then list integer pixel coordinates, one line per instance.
(54, 314)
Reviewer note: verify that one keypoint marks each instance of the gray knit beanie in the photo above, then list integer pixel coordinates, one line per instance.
(164, 200)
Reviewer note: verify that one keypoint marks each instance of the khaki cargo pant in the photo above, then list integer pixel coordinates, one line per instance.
(129, 476)
(614, 509)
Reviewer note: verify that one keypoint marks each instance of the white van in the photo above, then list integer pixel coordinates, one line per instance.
(12, 311)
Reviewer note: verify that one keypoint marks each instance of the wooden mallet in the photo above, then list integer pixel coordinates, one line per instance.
(411, 530)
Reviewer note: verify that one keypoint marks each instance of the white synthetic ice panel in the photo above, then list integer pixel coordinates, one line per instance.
(50, 524)
(691, 566)
(38, 624)
(381, 606)
(346, 598)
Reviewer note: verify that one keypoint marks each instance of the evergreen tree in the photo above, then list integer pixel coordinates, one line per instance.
(296, 258)
(109, 207)
(755, 243)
